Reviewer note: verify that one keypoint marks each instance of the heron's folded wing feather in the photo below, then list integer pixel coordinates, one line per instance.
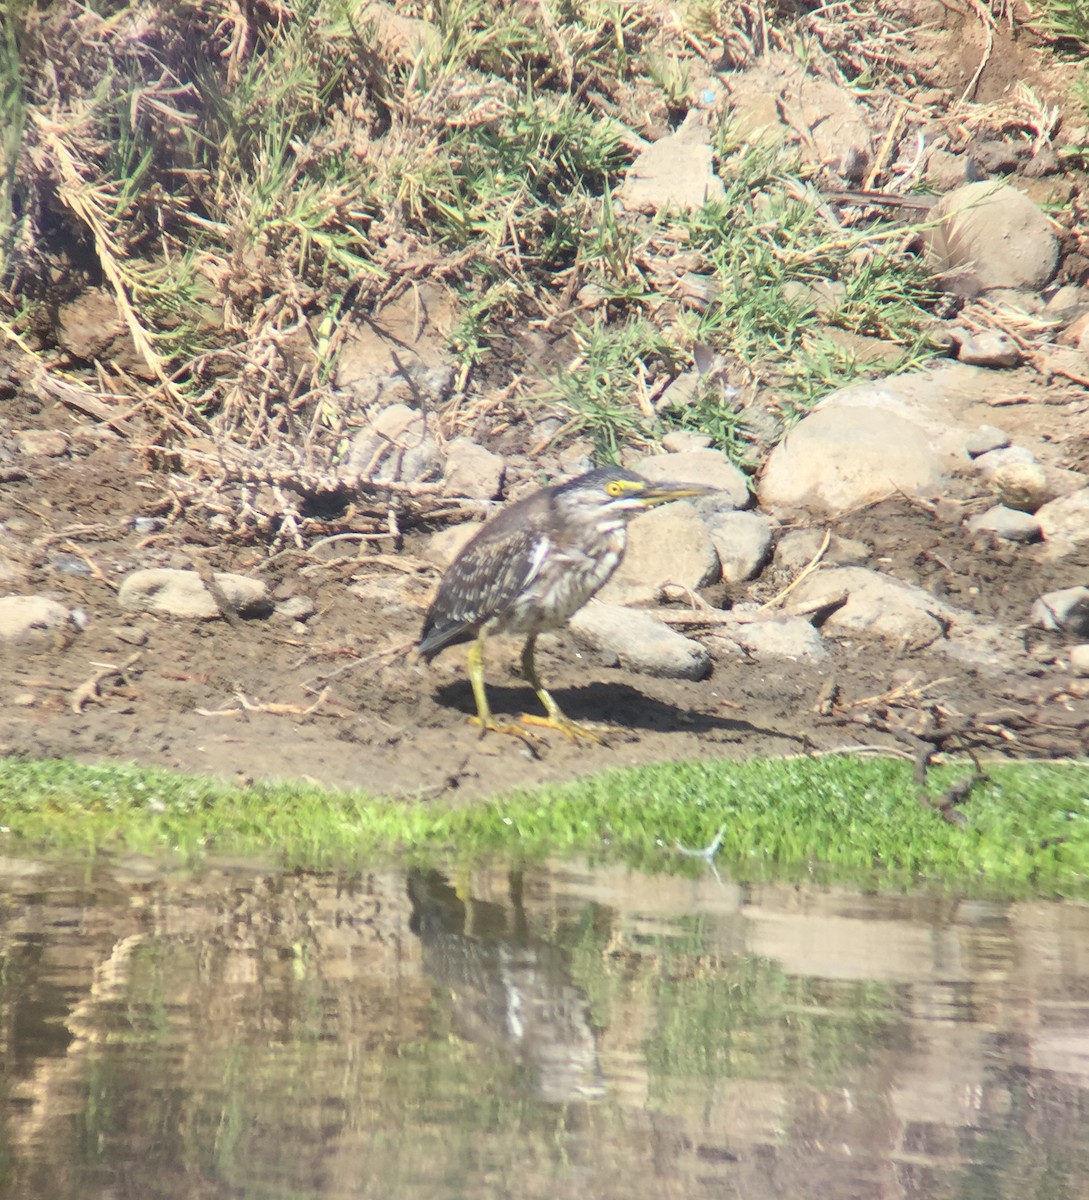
(481, 584)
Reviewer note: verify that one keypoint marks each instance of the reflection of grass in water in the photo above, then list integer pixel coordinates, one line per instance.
(717, 1016)
(1027, 831)
(753, 1021)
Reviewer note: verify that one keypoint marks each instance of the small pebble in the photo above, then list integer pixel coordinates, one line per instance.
(985, 439)
(989, 348)
(1079, 659)
(1010, 524)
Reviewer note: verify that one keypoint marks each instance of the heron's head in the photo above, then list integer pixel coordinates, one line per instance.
(609, 491)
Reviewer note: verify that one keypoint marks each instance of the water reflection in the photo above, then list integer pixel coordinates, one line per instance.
(565, 1032)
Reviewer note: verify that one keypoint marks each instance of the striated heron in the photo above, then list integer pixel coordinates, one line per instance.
(531, 567)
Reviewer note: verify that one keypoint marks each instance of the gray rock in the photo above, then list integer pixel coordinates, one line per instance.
(665, 545)
(985, 438)
(995, 156)
(792, 638)
(31, 618)
(991, 460)
(743, 542)
(988, 348)
(1066, 610)
(443, 547)
(1079, 659)
(41, 443)
(296, 608)
(640, 641)
(1009, 524)
(836, 459)
(177, 593)
(473, 471)
(681, 441)
(1066, 518)
(799, 547)
(878, 606)
(995, 234)
(708, 467)
(396, 447)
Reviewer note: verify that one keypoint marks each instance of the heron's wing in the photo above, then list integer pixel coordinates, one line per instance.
(483, 582)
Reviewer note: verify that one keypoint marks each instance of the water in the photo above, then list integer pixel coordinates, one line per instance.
(566, 1032)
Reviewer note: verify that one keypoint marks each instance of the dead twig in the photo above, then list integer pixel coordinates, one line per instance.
(808, 569)
(89, 690)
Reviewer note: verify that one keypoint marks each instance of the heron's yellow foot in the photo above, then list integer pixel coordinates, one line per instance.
(595, 734)
(489, 724)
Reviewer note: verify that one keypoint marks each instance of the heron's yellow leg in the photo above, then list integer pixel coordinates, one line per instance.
(484, 718)
(555, 719)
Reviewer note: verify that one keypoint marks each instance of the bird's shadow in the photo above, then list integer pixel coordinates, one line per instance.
(615, 704)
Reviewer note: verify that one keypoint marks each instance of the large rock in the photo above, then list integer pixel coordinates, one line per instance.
(839, 458)
(878, 606)
(31, 618)
(640, 641)
(992, 236)
(178, 593)
(665, 545)
(711, 468)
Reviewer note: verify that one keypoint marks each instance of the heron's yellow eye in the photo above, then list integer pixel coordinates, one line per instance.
(615, 488)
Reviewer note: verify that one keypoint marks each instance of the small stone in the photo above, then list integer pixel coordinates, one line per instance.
(743, 542)
(791, 638)
(641, 642)
(397, 446)
(131, 635)
(1066, 610)
(1021, 485)
(179, 593)
(443, 547)
(992, 460)
(799, 547)
(984, 439)
(30, 618)
(41, 443)
(1076, 334)
(1067, 517)
(878, 606)
(995, 157)
(1009, 524)
(472, 470)
(24, 700)
(296, 608)
(680, 441)
(988, 348)
(1079, 659)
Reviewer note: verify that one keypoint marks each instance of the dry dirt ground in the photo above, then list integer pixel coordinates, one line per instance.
(268, 699)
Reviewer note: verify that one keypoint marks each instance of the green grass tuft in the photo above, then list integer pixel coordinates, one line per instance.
(1027, 830)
